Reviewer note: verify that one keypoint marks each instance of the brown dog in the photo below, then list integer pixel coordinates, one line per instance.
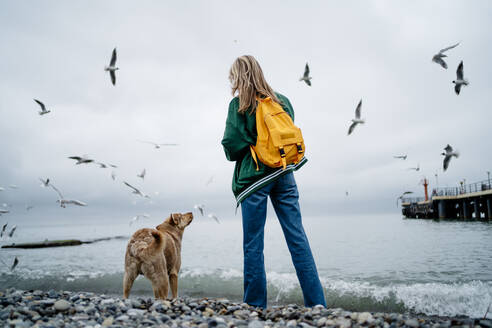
(156, 253)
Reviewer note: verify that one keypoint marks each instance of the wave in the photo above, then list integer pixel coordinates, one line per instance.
(445, 299)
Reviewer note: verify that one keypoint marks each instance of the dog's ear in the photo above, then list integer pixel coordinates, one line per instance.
(175, 217)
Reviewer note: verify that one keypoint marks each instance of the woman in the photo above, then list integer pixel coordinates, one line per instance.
(252, 186)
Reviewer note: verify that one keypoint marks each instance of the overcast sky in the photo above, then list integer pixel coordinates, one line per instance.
(173, 86)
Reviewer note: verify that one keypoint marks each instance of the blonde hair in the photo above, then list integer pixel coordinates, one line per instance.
(248, 81)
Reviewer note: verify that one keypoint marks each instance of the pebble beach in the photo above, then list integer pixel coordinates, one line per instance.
(84, 309)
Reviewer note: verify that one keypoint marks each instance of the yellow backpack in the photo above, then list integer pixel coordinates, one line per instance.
(279, 141)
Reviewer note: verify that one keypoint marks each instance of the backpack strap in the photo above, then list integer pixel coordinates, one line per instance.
(300, 152)
(253, 154)
(282, 157)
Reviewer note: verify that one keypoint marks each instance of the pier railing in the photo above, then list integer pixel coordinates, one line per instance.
(464, 189)
(412, 200)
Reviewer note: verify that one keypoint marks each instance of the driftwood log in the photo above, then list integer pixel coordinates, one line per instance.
(60, 243)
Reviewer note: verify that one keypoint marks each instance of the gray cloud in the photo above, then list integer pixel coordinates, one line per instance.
(173, 87)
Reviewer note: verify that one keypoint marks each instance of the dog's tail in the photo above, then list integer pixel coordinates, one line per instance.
(150, 246)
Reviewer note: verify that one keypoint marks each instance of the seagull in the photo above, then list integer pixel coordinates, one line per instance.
(2, 189)
(43, 108)
(3, 212)
(11, 233)
(447, 156)
(112, 68)
(200, 207)
(4, 227)
(401, 196)
(459, 79)
(104, 166)
(64, 202)
(16, 261)
(346, 193)
(45, 183)
(213, 216)
(306, 78)
(209, 181)
(357, 118)
(158, 145)
(13, 186)
(136, 191)
(403, 157)
(142, 175)
(29, 207)
(415, 168)
(138, 216)
(438, 58)
(113, 175)
(82, 159)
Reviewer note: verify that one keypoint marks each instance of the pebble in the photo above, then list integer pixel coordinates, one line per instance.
(61, 305)
(81, 309)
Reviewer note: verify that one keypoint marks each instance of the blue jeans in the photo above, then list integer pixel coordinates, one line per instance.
(285, 199)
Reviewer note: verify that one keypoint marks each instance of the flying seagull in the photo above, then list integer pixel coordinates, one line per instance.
(4, 227)
(142, 175)
(43, 108)
(3, 212)
(11, 233)
(113, 175)
(213, 216)
(29, 207)
(45, 183)
(82, 159)
(158, 145)
(447, 156)
(136, 191)
(415, 168)
(64, 202)
(112, 67)
(16, 261)
(438, 58)
(2, 189)
(13, 186)
(104, 166)
(210, 180)
(138, 216)
(459, 79)
(402, 195)
(403, 157)
(357, 118)
(200, 207)
(306, 78)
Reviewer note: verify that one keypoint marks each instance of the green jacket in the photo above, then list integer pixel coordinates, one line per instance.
(240, 133)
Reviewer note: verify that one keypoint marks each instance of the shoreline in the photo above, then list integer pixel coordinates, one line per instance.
(85, 309)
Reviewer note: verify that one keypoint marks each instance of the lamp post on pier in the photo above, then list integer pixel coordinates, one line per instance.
(488, 178)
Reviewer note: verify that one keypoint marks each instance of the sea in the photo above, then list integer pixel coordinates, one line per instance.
(378, 263)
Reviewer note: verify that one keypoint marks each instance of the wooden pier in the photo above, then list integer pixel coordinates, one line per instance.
(467, 202)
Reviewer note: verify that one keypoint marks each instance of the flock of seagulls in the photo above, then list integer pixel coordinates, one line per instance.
(438, 58)
(459, 82)
(85, 160)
